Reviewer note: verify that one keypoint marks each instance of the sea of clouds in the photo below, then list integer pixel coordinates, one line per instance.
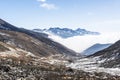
(80, 43)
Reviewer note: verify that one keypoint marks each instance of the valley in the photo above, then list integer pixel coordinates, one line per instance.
(59, 39)
(29, 55)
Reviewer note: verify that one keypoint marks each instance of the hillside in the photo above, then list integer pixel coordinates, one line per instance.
(28, 55)
(26, 42)
(110, 55)
(106, 60)
(53, 47)
(18, 64)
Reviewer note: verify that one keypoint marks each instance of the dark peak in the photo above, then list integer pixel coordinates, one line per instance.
(57, 28)
(102, 44)
(6, 26)
(117, 43)
(54, 28)
(36, 29)
(2, 21)
(79, 29)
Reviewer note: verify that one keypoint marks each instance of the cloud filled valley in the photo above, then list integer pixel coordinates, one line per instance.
(80, 43)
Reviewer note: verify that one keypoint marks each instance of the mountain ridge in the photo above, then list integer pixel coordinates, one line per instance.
(29, 55)
(39, 36)
(95, 48)
(66, 32)
(110, 55)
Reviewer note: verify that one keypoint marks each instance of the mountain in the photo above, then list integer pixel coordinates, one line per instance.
(95, 48)
(21, 57)
(66, 32)
(110, 56)
(26, 42)
(9, 50)
(46, 45)
(106, 60)
(17, 63)
(28, 55)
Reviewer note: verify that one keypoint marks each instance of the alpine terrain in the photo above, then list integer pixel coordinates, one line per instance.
(29, 55)
(106, 60)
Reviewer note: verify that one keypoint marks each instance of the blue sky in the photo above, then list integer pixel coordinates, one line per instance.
(95, 15)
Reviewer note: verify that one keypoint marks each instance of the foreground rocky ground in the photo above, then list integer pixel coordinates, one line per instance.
(31, 68)
(93, 65)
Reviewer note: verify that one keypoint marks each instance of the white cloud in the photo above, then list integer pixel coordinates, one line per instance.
(42, 0)
(48, 6)
(80, 43)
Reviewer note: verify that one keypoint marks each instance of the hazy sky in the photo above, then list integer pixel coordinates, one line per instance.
(95, 15)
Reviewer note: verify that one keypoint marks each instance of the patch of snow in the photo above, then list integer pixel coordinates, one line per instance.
(55, 61)
(4, 34)
(9, 53)
(30, 54)
(11, 49)
(92, 65)
(27, 53)
(51, 60)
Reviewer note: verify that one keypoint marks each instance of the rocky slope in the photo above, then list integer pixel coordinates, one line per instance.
(27, 43)
(110, 56)
(49, 45)
(18, 63)
(107, 60)
(35, 69)
(27, 55)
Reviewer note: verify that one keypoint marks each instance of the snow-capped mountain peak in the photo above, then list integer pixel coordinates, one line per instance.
(66, 32)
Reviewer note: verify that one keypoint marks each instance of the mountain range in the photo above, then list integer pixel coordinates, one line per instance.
(45, 43)
(66, 32)
(32, 55)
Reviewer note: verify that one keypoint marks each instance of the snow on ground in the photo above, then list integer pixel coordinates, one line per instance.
(52, 60)
(92, 65)
(80, 43)
(4, 34)
(16, 52)
(9, 53)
